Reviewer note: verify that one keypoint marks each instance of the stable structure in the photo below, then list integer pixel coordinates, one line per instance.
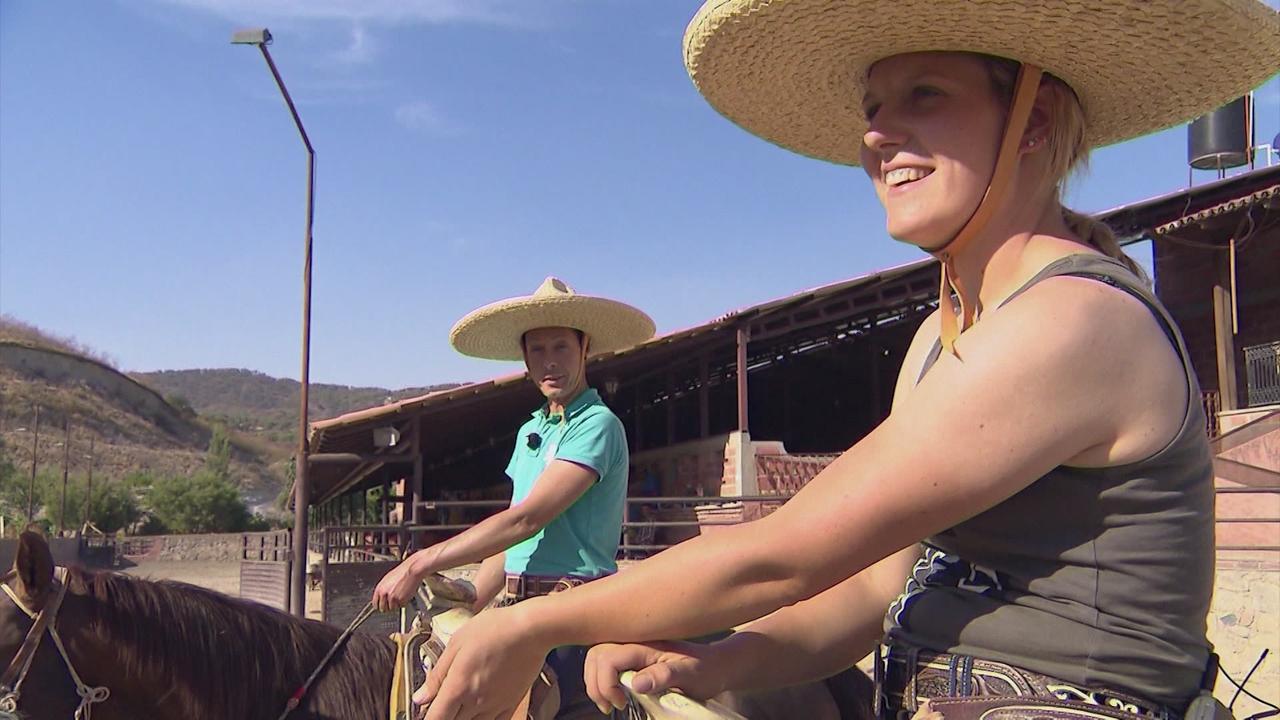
(830, 352)
(752, 404)
(813, 371)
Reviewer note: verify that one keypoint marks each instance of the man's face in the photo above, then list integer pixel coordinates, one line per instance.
(554, 359)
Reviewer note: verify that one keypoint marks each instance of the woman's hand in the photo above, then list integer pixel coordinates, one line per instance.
(695, 670)
(486, 670)
(396, 588)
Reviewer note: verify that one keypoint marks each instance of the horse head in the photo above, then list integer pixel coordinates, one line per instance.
(33, 673)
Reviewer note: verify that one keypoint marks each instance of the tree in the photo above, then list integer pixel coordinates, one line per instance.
(217, 461)
(9, 490)
(114, 507)
(181, 404)
(13, 489)
(203, 502)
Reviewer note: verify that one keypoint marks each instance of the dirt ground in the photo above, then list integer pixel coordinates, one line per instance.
(222, 576)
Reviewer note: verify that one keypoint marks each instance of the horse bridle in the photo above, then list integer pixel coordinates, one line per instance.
(44, 620)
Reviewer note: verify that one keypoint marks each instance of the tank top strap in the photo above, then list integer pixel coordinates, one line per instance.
(1102, 269)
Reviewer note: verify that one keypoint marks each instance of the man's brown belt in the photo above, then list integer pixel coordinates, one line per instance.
(523, 587)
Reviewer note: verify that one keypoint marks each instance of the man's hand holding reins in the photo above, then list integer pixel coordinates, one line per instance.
(397, 587)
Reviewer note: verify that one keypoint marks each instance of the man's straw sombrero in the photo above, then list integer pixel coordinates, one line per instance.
(494, 331)
(793, 71)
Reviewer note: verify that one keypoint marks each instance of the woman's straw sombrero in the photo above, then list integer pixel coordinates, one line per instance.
(494, 331)
(793, 71)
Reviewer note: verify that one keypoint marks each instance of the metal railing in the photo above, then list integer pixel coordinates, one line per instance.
(641, 537)
(135, 546)
(271, 546)
(1262, 373)
(1212, 401)
(666, 516)
(1248, 490)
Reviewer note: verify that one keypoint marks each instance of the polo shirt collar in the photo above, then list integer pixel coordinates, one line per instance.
(585, 399)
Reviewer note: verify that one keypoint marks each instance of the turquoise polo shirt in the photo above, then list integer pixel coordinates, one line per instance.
(582, 540)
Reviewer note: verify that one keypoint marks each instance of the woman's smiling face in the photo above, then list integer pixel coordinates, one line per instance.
(934, 127)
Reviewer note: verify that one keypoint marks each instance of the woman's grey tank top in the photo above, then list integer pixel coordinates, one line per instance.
(1096, 576)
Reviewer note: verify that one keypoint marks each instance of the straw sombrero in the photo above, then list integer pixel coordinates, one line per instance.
(793, 71)
(494, 331)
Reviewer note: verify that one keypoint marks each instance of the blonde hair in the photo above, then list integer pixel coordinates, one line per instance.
(1068, 154)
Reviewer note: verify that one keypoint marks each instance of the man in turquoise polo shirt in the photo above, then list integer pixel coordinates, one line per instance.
(581, 541)
(568, 467)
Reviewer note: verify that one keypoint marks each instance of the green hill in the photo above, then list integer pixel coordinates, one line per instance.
(258, 404)
(155, 423)
(93, 416)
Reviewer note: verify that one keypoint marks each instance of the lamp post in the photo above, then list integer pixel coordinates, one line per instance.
(301, 490)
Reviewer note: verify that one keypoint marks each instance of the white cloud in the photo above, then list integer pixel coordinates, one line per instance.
(422, 117)
(361, 50)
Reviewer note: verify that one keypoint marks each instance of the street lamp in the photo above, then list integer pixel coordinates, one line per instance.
(301, 491)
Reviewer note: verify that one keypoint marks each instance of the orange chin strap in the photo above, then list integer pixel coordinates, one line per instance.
(1024, 96)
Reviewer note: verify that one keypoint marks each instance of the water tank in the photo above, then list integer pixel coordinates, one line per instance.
(1220, 139)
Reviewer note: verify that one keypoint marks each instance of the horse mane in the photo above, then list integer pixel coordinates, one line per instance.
(214, 657)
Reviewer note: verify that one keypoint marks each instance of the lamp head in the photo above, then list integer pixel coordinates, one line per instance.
(251, 36)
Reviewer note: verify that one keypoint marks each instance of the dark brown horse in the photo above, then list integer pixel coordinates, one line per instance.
(170, 651)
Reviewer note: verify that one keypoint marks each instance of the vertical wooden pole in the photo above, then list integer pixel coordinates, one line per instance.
(638, 413)
(704, 398)
(671, 409)
(88, 491)
(419, 481)
(744, 337)
(1224, 333)
(35, 455)
(66, 466)
(386, 498)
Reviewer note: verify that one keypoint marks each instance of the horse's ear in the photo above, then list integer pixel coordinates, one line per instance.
(34, 566)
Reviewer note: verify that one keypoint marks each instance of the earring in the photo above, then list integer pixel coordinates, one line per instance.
(1032, 142)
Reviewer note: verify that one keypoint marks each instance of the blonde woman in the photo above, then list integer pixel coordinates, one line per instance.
(1035, 517)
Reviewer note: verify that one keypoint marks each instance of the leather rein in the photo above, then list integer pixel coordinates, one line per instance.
(42, 621)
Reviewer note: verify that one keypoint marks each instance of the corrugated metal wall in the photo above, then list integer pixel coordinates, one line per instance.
(348, 587)
(266, 581)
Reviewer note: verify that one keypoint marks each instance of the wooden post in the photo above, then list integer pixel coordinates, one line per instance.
(66, 463)
(704, 398)
(35, 454)
(88, 491)
(671, 409)
(637, 413)
(745, 473)
(744, 337)
(419, 490)
(1226, 349)
(876, 352)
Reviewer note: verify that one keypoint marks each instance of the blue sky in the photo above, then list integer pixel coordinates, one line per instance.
(152, 183)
